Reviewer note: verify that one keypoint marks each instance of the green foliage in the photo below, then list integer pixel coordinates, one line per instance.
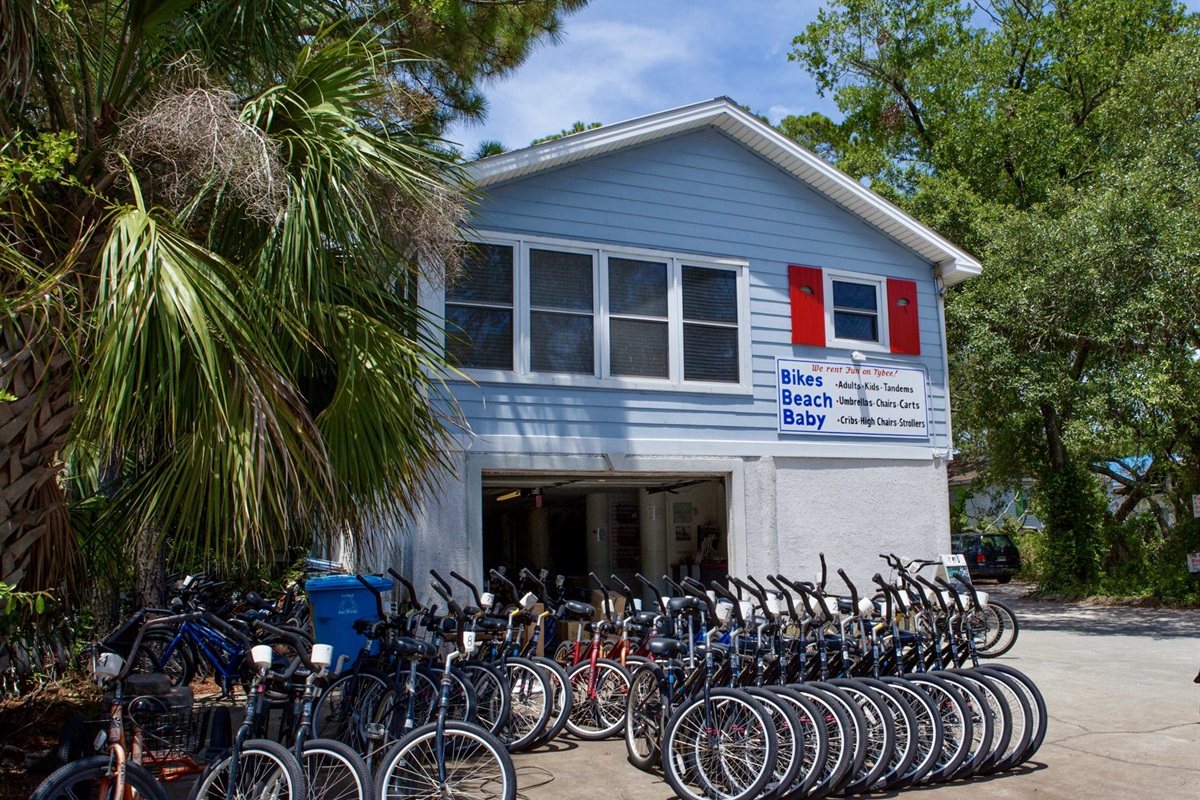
(1057, 140)
(1070, 505)
(577, 127)
(16, 606)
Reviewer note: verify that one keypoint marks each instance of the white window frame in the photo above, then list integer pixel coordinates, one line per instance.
(880, 285)
(601, 378)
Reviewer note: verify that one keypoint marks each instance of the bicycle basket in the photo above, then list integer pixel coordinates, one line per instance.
(173, 734)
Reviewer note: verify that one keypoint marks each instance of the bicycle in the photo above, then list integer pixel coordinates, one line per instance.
(448, 759)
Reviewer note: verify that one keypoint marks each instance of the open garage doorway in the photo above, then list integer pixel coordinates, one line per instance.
(617, 524)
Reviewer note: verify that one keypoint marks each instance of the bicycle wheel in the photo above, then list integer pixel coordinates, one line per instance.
(956, 724)
(881, 734)
(1037, 707)
(1022, 719)
(563, 698)
(812, 738)
(841, 737)
(643, 717)
(789, 742)
(928, 727)
(474, 763)
(90, 778)
(982, 725)
(492, 700)
(178, 665)
(266, 770)
(997, 708)
(333, 771)
(906, 742)
(719, 748)
(598, 699)
(347, 707)
(1000, 630)
(531, 699)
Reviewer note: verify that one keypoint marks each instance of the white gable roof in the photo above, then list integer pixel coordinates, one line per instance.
(953, 264)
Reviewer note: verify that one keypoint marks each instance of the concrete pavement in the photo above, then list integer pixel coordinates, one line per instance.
(1124, 716)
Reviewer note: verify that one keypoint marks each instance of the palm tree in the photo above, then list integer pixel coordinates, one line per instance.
(213, 220)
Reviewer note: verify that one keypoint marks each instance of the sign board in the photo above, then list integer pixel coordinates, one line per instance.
(953, 567)
(851, 399)
(1196, 505)
(1193, 562)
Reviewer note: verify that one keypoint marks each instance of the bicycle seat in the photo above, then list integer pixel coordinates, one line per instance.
(578, 610)
(491, 624)
(644, 618)
(662, 646)
(408, 646)
(677, 604)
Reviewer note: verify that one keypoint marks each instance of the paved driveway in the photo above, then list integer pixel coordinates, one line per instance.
(1124, 716)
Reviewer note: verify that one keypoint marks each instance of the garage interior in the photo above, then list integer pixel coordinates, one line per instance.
(673, 524)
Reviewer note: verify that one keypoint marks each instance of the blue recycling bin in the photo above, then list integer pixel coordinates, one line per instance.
(337, 601)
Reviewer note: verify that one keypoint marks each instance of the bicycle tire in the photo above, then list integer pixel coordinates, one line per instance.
(1001, 628)
(720, 750)
(983, 724)
(563, 698)
(881, 734)
(1037, 705)
(88, 777)
(1022, 719)
(1001, 715)
(600, 712)
(813, 739)
(477, 764)
(956, 725)
(347, 707)
(180, 665)
(904, 721)
(929, 732)
(789, 744)
(644, 717)
(531, 699)
(333, 771)
(264, 769)
(492, 700)
(858, 731)
(840, 736)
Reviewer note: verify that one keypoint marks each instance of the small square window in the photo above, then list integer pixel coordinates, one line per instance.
(855, 310)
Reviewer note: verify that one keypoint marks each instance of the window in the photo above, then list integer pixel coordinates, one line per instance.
(853, 311)
(569, 313)
(479, 310)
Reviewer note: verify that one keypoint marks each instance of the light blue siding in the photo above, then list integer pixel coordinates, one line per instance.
(700, 194)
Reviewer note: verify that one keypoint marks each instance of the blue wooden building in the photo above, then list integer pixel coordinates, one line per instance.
(693, 346)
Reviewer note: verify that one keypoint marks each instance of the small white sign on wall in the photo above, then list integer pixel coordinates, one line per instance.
(851, 399)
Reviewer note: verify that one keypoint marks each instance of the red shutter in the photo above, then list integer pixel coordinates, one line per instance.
(807, 290)
(903, 326)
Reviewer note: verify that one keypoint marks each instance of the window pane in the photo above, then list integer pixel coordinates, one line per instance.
(710, 294)
(560, 280)
(863, 327)
(637, 287)
(854, 295)
(561, 343)
(710, 354)
(487, 276)
(638, 348)
(479, 337)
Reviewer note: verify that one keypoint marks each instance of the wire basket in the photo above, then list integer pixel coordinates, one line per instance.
(172, 736)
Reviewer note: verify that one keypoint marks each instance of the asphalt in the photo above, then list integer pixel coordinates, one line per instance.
(1118, 684)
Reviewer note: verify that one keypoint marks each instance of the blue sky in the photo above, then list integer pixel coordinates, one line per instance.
(620, 59)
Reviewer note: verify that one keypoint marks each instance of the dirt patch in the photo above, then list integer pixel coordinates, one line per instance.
(29, 732)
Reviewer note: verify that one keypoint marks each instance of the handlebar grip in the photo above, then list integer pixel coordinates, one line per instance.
(374, 591)
(469, 585)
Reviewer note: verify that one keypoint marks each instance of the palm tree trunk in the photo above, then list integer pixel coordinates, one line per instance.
(36, 546)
